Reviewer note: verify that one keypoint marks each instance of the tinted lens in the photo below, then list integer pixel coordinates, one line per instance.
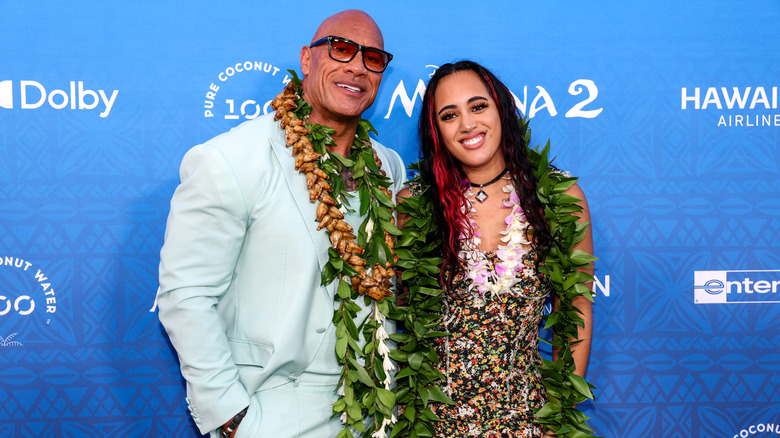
(342, 50)
(374, 60)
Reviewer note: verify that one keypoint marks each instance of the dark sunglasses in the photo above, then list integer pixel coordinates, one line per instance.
(344, 50)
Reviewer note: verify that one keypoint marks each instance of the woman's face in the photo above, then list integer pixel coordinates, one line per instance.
(469, 123)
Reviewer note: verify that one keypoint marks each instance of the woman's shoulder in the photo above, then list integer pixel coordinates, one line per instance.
(556, 171)
(412, 188)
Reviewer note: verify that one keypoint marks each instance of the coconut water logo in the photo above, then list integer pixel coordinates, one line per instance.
(729, 287)
(759, 430)
(531, 101)
(76, 96)
(228, 97)
(26, 294)
(735, 106)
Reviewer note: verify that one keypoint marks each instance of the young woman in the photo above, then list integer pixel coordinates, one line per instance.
(474, 161)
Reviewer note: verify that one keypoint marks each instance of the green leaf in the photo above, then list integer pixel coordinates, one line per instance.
(423, 429)
(389, 227)
(550, 408)
(361, 372)
(343, 160)
(382, 198)
(415, 360)
(552, 319)
(399, 356)
(410, 411)
(408, 371)
(360, 165)
(344, 290)
(341, 347)
(386, 397)
(429, 291)
(581, 257)
(354, 412)
(401, 337)
(580, 385)
(437, 394)
(435, 334)
(364, 194)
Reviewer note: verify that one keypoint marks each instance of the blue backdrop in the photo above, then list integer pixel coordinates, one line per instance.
(667, 112)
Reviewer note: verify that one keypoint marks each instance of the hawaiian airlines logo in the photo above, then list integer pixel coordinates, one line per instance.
(76, 96)
(724, 287)
(735, 106)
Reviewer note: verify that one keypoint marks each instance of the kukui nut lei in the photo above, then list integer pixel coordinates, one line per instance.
(375, 284)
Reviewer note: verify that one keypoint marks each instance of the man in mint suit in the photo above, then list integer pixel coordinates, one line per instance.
(240, 291)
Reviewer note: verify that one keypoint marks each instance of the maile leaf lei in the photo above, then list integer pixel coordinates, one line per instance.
(562, 269)
(361, 262)
(419, 382)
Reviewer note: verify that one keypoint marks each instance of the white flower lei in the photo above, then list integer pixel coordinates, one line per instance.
(506, 273)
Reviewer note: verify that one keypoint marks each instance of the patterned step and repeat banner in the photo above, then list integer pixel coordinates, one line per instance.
(667, 111)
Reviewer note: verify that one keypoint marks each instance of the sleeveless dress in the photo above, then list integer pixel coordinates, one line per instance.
(490, 358)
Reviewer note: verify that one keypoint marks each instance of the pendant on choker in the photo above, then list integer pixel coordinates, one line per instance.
(481, 195)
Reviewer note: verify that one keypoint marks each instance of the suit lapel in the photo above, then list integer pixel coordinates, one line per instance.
(300, 193)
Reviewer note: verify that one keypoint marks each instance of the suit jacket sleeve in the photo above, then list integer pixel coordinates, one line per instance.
(203, 238)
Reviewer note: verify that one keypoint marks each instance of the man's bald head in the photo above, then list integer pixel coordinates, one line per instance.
(348, 22)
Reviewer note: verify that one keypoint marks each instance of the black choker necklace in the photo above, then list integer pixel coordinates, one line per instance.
(481, 195)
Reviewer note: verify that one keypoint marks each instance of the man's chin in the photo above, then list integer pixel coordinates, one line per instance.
(350, 113)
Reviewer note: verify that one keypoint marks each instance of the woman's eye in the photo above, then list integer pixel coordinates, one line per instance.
(448, 116)
(479, 107)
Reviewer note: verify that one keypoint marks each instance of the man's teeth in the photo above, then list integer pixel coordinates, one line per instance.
(350, 88)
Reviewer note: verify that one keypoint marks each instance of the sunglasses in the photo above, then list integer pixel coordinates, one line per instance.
(344, 50)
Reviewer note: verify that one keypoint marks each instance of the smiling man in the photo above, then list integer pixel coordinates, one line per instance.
(241, 296)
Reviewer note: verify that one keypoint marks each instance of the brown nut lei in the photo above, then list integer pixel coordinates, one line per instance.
(374, 282)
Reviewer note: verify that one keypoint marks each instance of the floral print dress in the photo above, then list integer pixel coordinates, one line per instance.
(490, 358)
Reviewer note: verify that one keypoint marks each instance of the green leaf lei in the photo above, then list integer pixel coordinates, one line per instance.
(364, 383)
(418, 384)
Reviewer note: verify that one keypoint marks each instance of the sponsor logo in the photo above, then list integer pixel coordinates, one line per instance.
(734, 106)
(602, 286)
(26, 294)
(34, 95)
(729, 287)
(9, 342)
(6, 94)
(228, 97)
(529, 102)
(761, 429)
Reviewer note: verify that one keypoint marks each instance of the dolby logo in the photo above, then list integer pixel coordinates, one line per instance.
(75, 96)
(6, 95)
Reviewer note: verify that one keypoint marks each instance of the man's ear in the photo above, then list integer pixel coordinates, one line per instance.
(305, 60)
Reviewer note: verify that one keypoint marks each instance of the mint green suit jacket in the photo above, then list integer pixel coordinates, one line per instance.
(240, 294)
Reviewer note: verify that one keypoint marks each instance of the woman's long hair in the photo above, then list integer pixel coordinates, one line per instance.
(446, 178)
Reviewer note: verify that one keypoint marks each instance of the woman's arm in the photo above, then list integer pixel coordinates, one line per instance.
(402, 218)
(581, 350)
